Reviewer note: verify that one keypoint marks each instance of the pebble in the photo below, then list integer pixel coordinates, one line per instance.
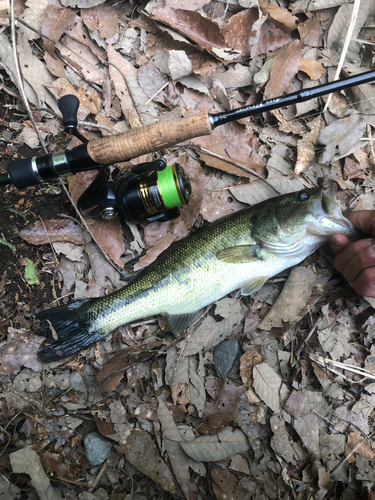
(225, 356)
(97, 448)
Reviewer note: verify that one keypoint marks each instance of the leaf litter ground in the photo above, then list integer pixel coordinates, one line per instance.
(292, 415)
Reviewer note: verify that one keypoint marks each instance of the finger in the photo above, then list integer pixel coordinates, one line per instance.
(338, 243)
(365, 220)
(365, 283)
(351, 252)
(361, 260)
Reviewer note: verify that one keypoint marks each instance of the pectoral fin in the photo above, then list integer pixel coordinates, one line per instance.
(240, 254)
(253, 286)
(179, 322)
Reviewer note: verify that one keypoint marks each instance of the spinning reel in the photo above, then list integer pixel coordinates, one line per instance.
(152, 191)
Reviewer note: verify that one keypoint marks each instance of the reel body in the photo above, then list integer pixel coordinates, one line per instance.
(151, 192)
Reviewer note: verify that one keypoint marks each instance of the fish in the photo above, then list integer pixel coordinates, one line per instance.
(238, 252)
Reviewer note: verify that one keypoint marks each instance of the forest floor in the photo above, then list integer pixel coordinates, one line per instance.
(267, 396)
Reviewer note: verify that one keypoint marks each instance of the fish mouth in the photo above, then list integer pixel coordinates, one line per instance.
(330, 220)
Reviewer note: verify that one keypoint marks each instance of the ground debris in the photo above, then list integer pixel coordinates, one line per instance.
(294, 416)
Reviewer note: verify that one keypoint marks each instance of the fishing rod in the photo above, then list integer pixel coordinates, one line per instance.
(153, 191)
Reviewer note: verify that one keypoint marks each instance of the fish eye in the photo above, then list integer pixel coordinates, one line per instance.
(303, 195)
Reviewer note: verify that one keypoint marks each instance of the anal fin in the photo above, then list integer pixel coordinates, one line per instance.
(253, 285)
(180, 322)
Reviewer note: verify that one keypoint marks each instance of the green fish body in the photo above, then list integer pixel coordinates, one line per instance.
(238, 252)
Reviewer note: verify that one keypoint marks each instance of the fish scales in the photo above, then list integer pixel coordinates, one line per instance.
(241, 251)
(187, 277)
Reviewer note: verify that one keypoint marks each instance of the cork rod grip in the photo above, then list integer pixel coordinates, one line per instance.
(147, 139)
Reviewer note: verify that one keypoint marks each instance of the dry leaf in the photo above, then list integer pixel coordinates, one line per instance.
(183, 371)
(211, 332)
(238, 33)
(313, 68)
(55, 22)
(104, 17)
(310, 31)
(272, 38)
(226, 485)
(224, 444)
(306, 146)
(222, 409)
(280, 15)
(45, 232)
(248, 360)
(267, 385)
(198, 28)
(342, 137)
(179, 461)
(292, 299)
(179, 64)
(21, 350)
(235, 77)
(354, 439)
(284, 68)
(26, 461)
(33, 16)
(141, 451)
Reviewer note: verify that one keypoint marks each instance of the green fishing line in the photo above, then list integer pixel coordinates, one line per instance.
(168, 187)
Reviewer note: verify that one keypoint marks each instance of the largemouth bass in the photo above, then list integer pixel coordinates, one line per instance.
(241, 251)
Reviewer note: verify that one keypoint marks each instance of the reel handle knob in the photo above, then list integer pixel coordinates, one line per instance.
(68, 105)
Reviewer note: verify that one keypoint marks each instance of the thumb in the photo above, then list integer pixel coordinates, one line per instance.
(338, 243)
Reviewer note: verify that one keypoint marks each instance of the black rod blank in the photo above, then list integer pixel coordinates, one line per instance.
(288, 99)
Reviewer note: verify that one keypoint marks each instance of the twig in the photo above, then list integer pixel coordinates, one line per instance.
(19, 77)
(156, 93)
(346, 46)
(98, 476)
(309, 335)
(328, 363)
(352, 452)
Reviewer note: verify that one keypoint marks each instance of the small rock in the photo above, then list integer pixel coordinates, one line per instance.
(77, 383)
(97, 448)
(225, 356)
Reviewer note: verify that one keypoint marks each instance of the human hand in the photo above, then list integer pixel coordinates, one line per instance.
(356, 260)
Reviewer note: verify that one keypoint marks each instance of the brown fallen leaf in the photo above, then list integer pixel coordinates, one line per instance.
(313, 68)
(104, 17)
(272, 38)
(281, 17)
(201, 30)
(222, 410)
(225, 485)
(352, 170)
(124, 358)
(141, 451)
(55, 22)
(354, 439)
(238, 31)
(49, 231)
(21, 350)
(248, 360)
(284, 68)
(311, 31)
(293, 126)
(306, 146)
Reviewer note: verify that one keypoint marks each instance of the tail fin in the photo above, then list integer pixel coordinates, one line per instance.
(68, 329)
